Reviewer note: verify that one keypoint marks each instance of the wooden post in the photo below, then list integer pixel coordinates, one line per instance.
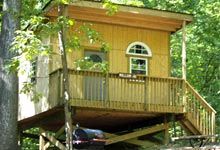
(174, 124)
(213, 126)
(184, 50)
(106, 90)
(41, 140)
(184, 63)
(59, 92)
(166, 131)
(146, 93)
(20, 139)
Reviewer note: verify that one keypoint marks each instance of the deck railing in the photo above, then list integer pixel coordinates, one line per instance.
(121, 91)
(199, 112)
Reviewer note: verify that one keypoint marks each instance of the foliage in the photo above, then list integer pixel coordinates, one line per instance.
(87, 64)
(29, 88)
(94, 37)
(129, 2)
(112, 9)
(28, 44)
(30, 143)
(91, 35)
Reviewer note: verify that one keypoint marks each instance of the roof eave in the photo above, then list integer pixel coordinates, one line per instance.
(139, 10)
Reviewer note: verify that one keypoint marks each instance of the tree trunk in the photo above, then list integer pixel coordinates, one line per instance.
(8, 81)
(67, 110)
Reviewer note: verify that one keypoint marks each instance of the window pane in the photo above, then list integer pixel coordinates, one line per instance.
(144, 52)
(138, 72)
(138, 66)
(138, 49)
(95, 58)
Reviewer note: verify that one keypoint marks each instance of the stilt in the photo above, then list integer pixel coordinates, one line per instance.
(166, 131)
(20, 139)
(41, 140)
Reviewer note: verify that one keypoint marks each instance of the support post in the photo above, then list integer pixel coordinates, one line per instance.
(41, 140)
(174, 124)
(213, 126)
(20, 139)
(184, 63)
(184, 50)
(166, 131)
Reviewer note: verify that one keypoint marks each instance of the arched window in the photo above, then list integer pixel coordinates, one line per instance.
(139, 49)
(139, 53)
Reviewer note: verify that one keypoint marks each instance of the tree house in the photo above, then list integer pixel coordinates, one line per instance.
(137, 97)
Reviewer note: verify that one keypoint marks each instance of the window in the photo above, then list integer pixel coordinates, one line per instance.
(139, 49)
(139, 53)
(138, 65)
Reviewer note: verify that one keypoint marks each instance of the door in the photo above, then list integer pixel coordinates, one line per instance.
(94, 86)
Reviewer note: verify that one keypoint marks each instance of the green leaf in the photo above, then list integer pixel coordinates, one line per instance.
(12, 65)
(71, 22)
(111, 8)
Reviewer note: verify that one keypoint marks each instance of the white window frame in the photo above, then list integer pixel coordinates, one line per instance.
(146, 63)
(142, 44)
(139, 56)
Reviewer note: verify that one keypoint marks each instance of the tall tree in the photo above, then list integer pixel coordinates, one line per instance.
(8, 81)
(66, 98)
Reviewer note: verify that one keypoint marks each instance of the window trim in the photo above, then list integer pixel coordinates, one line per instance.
(142, 44)
(146, 61)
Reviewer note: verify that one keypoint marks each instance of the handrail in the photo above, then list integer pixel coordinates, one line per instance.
(101, 73)
(199, 112)
(200, 98)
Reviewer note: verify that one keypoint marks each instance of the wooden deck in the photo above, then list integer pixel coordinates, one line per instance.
(133, 93)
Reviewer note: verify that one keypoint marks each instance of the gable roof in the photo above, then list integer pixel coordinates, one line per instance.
(127, 16)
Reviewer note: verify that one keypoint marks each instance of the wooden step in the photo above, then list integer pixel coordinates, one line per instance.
(189, 127)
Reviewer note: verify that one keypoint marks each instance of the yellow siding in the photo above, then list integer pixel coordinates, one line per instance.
(119, 37)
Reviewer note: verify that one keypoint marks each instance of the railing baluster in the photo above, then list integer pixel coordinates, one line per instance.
(150, 92)
(146, 86)
(107, 87)
(115, 89)
(92, 82)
